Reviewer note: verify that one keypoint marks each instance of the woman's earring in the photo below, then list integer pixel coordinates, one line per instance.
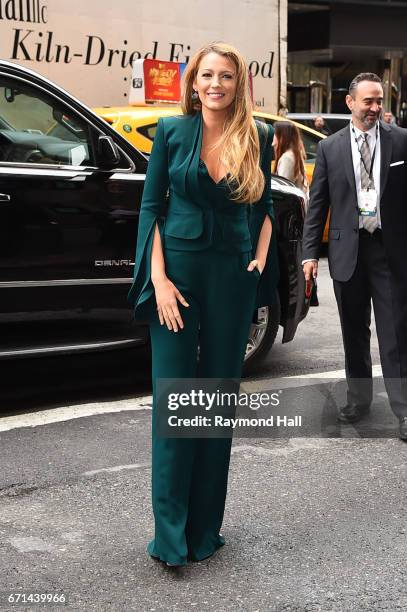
(195, 96)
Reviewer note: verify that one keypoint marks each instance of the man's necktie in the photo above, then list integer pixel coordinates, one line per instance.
(369, 223)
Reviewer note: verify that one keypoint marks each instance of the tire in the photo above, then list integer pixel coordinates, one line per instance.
(262, 336)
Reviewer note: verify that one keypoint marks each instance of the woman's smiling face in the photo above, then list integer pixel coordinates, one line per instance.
(216, 82)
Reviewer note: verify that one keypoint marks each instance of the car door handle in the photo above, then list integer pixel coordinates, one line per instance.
(79, 177)
(4, 197)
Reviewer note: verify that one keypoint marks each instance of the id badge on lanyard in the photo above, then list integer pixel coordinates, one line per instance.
(368, 197)
(368, 203)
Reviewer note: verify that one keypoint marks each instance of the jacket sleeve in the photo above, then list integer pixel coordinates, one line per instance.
(264, 206)
(318, 208)
(152, 209)
(258, 211)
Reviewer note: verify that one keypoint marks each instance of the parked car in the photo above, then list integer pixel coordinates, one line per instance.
(70, 193)
(139, 123)
(333, 121)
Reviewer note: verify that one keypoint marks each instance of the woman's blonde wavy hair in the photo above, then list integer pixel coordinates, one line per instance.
(239, 145)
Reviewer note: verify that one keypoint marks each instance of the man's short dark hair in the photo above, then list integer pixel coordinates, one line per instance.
(363, 76)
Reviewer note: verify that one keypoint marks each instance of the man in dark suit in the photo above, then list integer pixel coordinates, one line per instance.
(361, 176)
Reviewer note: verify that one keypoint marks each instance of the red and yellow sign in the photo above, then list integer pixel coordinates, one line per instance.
(155, 81)
(162, 80)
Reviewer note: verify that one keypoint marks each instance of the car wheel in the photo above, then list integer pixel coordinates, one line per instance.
(262, 335)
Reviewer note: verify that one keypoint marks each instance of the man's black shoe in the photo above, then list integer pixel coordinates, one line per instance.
(403, 428)
(352, 414)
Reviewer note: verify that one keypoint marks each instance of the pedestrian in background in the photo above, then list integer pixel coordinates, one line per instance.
(388, 117)
(320, 125)
(199, 278)
(289, 156)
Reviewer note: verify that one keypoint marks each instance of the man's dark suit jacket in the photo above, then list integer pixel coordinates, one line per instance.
(333, 186)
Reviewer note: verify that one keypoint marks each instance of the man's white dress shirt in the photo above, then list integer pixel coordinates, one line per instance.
(356, 158)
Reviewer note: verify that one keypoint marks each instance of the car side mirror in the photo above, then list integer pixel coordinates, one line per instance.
(108, 153)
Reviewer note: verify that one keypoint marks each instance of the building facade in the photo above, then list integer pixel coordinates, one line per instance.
(329, 42)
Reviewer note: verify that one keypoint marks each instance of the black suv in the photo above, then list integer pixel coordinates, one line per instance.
(70, 192)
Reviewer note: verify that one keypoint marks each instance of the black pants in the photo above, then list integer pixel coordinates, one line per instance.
(371, 282)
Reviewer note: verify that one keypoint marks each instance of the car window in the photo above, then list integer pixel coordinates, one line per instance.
(332, 123)
(310, 144)
(35, 128)
(336, 124)
(148, 131)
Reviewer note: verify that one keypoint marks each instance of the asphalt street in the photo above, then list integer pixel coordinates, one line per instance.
(314, 522)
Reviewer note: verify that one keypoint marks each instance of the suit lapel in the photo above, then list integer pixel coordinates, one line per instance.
(192, 162)
(385, 155)
(346, 151)
(184, 166)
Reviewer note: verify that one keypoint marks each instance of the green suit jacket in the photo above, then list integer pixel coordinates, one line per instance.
(172, 197)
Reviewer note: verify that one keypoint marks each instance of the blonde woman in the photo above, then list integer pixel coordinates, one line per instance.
(199, 276)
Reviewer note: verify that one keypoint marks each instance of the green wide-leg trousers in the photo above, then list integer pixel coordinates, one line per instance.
(189, 475)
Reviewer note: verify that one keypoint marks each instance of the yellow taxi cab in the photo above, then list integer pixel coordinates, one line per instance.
(138, 124)
(309, 137)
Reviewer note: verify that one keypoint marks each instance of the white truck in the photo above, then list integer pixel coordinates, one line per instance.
(88, 48)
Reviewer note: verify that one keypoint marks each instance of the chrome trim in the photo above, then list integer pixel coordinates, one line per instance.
(66, 283)
(16, 168)
(74, 348)
(124, 177)
(73, 172)
(29, 165)
(287, 188)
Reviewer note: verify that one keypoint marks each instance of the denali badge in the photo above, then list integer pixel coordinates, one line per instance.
(114, 262)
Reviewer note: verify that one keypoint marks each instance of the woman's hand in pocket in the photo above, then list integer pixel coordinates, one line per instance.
(256, 263)
(166, 296)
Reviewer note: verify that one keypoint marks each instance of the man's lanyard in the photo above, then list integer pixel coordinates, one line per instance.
(370, 171)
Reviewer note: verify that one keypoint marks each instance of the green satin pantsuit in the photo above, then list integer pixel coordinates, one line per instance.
(208, 241)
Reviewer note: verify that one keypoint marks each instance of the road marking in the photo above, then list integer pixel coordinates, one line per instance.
(117, 468)
(67, 413)
(340, 374)
(293, 445)
(31, 544)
